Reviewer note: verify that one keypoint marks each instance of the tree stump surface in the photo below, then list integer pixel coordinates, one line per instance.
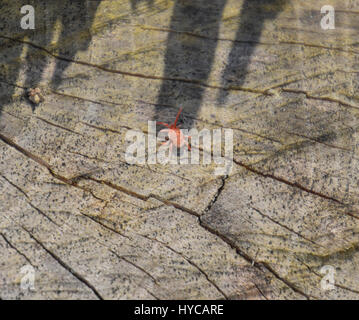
(95, 227)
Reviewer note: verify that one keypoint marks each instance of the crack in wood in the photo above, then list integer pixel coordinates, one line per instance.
(15, 186)
(29, 202)
(106, 226)
(65, 266)
(43, 163)
(251, 260)
(321, 277)
(292, 184)
(286, 227)
(216, 196)
(138, 75)
(251, 42)
(190, 262)
(135, 265)
(260, 291)
(327, 99)
(16, 249)
(58, 126)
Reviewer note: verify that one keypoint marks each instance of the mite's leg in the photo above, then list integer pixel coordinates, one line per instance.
(164, 124)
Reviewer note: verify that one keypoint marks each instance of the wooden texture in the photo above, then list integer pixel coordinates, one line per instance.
(95, 227)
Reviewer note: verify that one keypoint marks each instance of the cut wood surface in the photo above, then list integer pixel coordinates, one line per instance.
(96, 227)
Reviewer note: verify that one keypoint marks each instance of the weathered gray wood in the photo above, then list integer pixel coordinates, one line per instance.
(94, 226)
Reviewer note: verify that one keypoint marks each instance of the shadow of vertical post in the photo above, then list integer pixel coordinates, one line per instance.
(11, 51)
(75, 19)
(188, 56)
(36, 61)
(79, 15)
(134, 3)
(253, 15)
